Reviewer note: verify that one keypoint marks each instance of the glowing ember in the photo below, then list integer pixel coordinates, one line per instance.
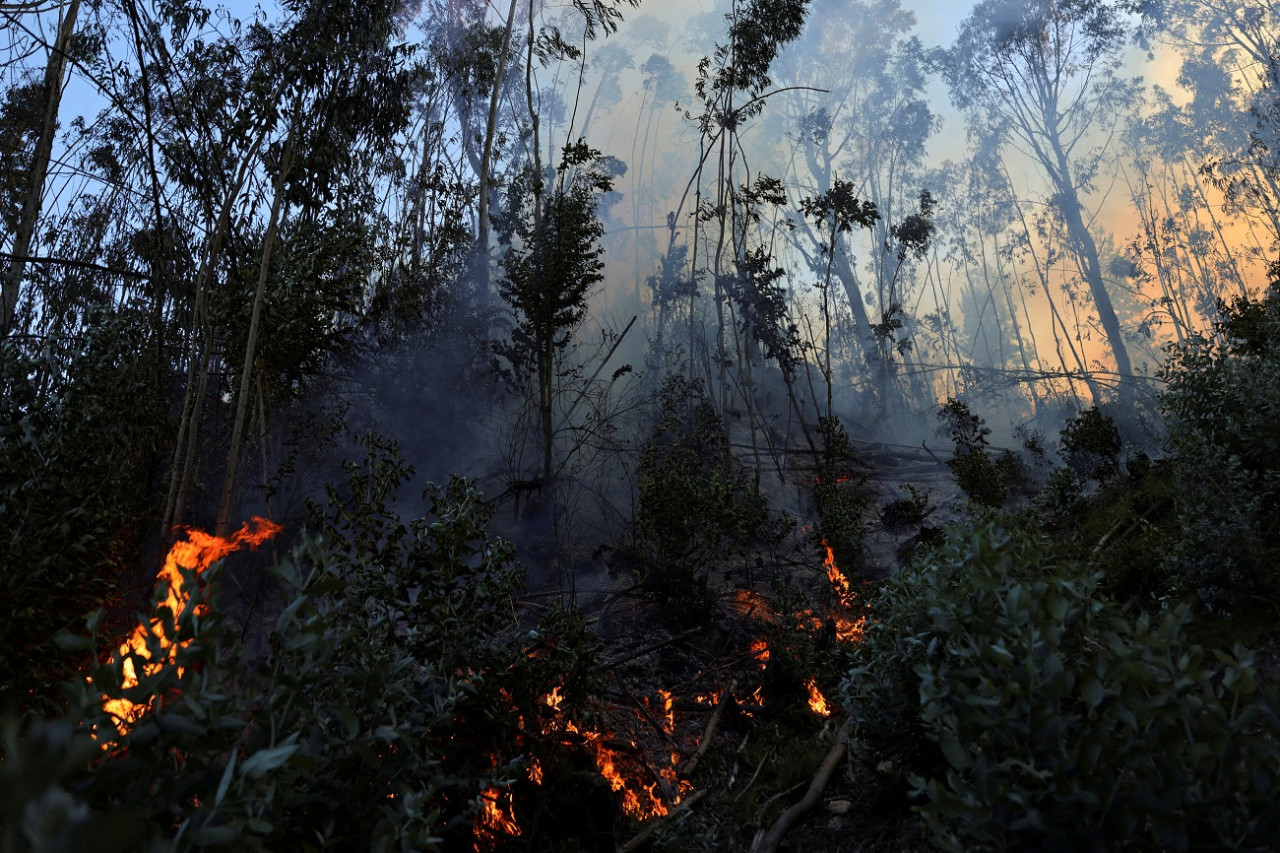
(535, 772)
(849, 630)
(748, 603)
(198, 553)
(668, 710)
(760, 651)
(817, 702)
(496, 821)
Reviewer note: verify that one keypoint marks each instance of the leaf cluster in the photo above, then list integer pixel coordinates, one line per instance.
(1222, 398)
(83, 427)
(986, 479)
(1023, 710)
(696, 505)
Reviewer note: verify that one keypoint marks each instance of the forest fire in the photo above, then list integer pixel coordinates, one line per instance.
(848, 629)
(496, 820)
(817, 702)
(617, 766)
(200, 551)
(760, 651)
(839, 582)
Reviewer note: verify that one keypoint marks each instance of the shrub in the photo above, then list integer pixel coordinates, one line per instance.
(1222, 400)
(1025, 711)
(696, 505)
(400, 685)
(840, 497)
(984, 479)
(83, 424)
(1090, 445)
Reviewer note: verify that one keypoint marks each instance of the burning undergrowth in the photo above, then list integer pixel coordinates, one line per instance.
(411, 694)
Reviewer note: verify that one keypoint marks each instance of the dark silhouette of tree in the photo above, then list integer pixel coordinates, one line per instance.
(552, 263)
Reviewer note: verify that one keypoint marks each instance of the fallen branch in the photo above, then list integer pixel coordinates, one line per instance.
(651, 827)
(726, 696)
(769, 843)
(652, 647)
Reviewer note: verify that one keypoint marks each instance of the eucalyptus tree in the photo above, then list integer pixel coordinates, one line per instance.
(868, 127)
(1229, 127)
(43, 122)
(1043, 76)
(552, 264)
(1189, 249)
(595, 17)
(733, 85)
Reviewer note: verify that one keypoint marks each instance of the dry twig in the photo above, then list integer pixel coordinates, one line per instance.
(769, 843)
(651, 827)
(726, 696)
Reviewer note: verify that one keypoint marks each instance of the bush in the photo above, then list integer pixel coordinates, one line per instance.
(840, 497)
(1024, 711)
(696, 505)
(1222, 400)
(986, 480)
(83, 428)
(1090, 445)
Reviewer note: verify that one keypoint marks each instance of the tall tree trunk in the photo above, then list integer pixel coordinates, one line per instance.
(1091, 266)
(481, 258)
(12, 284)
(251, 342)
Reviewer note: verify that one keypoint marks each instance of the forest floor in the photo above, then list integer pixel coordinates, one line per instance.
(720, 708)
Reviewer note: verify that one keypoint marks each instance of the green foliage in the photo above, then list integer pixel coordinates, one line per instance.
(840, 497)
(82, 432)
(1222, 400)
(696, 505)
(758, 31)
(553, 260)
(1026, 712)
(399, 684)
(908, 511)
(1090, 445)
(21, 111)
(316, 282)
(986, 480)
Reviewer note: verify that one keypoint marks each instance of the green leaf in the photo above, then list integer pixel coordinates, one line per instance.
(956, 754)
(73, 642)
(1092, 692)
(225, 782)
(266, 760)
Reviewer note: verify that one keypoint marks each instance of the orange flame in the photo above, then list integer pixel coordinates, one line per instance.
(668, 710)
(496, 819)
(817, 702)
(760, 651)
(199, 552)
(639, 800)
(839, 582)
(849, 630)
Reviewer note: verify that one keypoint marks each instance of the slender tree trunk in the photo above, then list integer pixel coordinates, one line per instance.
(481, 260)
(189, 425)
(251, 342)
(1086, 251)
(26, 229)
(157, 282)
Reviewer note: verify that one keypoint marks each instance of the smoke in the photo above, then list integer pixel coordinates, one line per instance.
(998, 307)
